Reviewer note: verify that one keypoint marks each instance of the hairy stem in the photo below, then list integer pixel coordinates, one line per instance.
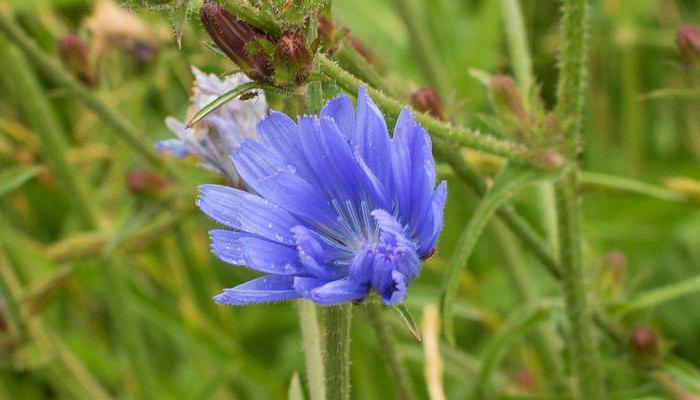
(337, 325)
(391, 352)
(453, 134)
(571, 97)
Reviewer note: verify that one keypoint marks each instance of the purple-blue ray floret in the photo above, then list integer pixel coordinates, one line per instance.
(337, 208)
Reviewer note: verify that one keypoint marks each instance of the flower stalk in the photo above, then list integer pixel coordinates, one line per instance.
(338, 327)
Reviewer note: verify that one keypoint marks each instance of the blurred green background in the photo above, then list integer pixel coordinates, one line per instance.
(124, 310)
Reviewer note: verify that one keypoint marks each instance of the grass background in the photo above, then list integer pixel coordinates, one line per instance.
(124, 310)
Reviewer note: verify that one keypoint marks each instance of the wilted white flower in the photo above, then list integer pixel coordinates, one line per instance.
(213, 139)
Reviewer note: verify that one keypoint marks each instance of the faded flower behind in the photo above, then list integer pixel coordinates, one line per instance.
(337, 209)
(213, 139)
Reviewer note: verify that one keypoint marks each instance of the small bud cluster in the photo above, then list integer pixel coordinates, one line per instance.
(282, 61)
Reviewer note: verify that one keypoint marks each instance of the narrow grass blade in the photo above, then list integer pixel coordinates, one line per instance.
(655, 297)
(407, 320)
(225, 98)
(13, 178)
(507, 183)
(295, 390)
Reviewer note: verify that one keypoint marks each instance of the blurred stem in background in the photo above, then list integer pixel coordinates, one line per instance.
(53, 68)
(571, 90)
(38, 110)
(391, 352)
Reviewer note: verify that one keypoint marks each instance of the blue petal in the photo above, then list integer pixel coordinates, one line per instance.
(429, 232)
(247, 212)
(175, 147)
(281, 186)
(279, 133)
(255, 253)
(254, 161)
(396, 292)
(372, 136)
(314, 253)
(413, 169)
(340, 109)
(265, 289)
(338, 292)
(304, 285)
(360, 269)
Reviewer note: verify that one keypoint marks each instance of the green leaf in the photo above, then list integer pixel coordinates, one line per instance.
(13, 178)
(295, 390)
(661, 295)
(507, 183)
(181, 13)
(407, 320)
(225, 98)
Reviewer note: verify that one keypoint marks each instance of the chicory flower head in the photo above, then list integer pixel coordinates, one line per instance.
(213, 139)
(337, 208)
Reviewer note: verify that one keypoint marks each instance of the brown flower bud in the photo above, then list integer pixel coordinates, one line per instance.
(427, 100)
(507, 98)
(74, 54)
(147, 183)
(326, 28)
(292, 59)
(242, 43)
(688, 42)
(644, 341)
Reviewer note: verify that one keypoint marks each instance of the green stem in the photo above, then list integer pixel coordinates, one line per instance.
(517, 224)
(517, 44)
(311, 338)
(419, 36)
(454, 134)
(628, 185)
(391, 352)
(582, 345)
(338, 324)
(53, 68)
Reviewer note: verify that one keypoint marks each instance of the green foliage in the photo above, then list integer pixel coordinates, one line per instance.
(123, 309)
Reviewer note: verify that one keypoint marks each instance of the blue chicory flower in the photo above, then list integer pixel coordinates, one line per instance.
(213, 139)
(337, 207)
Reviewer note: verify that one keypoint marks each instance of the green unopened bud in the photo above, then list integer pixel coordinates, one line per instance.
(248, 47)
(292, 59)
(426, 100)
(74, 54)
(688, 42)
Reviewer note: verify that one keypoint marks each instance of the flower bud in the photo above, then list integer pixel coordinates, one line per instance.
(146, 183)
(242, 43)
(292, 59)
(644, 342)
(74, 54)
(688, 42)
(428, 101)
(507, 98)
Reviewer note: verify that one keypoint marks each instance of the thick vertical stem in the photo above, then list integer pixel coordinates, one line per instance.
(311, 338)
(571, 99)
(390, 350)
(337, 324)
(582, 345)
